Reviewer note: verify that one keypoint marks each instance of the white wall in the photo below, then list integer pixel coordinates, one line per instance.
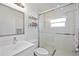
(31, 33)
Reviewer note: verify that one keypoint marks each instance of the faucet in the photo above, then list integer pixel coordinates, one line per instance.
(14, 40)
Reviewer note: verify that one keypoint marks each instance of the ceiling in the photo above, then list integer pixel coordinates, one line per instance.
(40, 7)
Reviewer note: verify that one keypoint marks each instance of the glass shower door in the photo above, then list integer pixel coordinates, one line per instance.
(57, 30)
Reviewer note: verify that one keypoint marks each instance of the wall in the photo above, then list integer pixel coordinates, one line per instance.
(31, 33)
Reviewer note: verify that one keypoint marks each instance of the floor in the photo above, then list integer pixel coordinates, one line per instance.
(64, 53)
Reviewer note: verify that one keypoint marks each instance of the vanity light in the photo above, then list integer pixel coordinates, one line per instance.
(20, 5)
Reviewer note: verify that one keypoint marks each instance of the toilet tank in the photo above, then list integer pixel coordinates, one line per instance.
(35, 44)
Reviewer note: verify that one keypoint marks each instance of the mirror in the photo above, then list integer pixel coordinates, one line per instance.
(11, 21)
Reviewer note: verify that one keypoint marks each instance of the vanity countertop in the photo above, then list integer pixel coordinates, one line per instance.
(13, 49)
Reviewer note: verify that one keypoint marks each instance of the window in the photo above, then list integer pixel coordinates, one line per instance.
(60, 22)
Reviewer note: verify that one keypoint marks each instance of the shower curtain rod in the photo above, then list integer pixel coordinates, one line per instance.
(52, 9)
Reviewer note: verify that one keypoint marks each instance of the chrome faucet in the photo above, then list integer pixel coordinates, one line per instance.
(14, 40)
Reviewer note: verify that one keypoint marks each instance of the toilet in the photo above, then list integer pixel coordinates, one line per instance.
(41, 52)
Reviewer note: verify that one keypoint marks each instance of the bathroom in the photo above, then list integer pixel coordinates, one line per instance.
(39, 29)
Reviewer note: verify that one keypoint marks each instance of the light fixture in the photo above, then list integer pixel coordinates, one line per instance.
(20, 4)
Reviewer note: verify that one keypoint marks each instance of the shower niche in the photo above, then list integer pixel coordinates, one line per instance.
(32, 21)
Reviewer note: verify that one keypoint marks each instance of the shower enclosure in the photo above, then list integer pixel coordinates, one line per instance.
(58, 29)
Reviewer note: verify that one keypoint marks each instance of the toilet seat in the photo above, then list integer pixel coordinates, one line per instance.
(41, 52)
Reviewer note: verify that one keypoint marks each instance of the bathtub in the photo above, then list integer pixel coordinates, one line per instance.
(21, 48)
